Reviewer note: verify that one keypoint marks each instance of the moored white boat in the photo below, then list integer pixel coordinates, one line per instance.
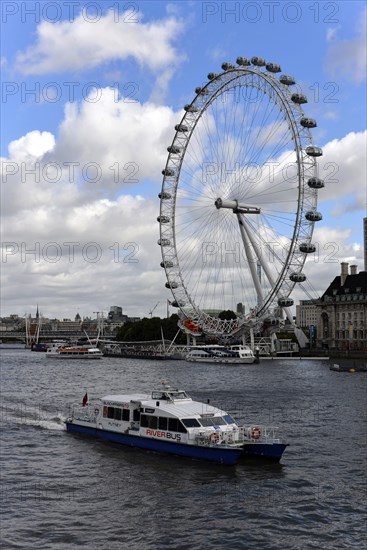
(230, 355)
(65, 351)
(169, 421)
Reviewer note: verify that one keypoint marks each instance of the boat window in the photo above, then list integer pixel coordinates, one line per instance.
(206, 422)
(177, 395)
(229, 419)
(117, 414)
(136, 415)
(144, 423)
(148, 421)
(111, 412)
(212, 421)
(218, 421)
(174, 425)
(180, 427)
(153, 422)
(125, 415)
(158, 395)
(190, 423)
(162, 423)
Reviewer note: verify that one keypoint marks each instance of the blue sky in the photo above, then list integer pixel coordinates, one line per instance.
(109, 84)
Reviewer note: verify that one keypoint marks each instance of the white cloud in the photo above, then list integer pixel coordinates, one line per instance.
(348, 58)
(332, 248)
(128, 140)
(343, 168)
(33, 145)
(102, 148)
(88, 257)
(110, 38)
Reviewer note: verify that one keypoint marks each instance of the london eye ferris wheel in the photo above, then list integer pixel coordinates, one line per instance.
(239, 198)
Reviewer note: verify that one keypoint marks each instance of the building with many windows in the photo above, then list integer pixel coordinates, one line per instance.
(340, 315)
(342, 311)
(307, 313)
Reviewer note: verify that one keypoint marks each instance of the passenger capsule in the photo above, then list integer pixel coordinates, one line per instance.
(287, 80)
(308, 122)
(315, 183)
(285, 302)
(164, 242)
(174, 150)
(181, 128)
(299, 98)
(313, 216)
(167, 263)
(243, 61)
(164, 196)
(227, 66)
(163, 219)
(307, 248)
(173, 284)
(297, 277)
(258, 61)
(168, 172)
(212, 76)
(191, 109)
(201, 91)
(273, 67)
(176, 303)
(313, 151)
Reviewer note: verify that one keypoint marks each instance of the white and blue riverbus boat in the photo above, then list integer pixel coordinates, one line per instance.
(169, 421)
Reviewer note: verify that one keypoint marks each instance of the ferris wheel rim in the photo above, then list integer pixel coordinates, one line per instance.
(181, 141)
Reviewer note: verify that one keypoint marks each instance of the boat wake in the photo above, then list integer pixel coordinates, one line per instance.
(33, 416)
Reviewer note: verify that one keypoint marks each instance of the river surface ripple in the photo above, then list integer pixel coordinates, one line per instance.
(60, 490)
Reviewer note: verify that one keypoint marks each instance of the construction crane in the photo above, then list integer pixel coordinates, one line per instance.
(151, 311)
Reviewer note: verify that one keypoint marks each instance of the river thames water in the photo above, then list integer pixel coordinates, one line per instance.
(60, 490)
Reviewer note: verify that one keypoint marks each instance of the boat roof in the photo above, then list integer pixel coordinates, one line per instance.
(125, 398)
(178, 407)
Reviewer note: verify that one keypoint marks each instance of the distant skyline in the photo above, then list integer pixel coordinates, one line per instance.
(91, 93)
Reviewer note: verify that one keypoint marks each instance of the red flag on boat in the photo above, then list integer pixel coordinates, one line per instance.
(85, 400)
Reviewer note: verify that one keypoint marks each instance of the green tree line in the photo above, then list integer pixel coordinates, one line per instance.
(150, 329)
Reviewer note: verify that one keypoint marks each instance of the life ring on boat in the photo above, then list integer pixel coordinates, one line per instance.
(255, 433)
(214, 438)
(96, 411)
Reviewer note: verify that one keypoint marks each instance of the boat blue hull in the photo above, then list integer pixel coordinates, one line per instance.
(212, 454)
(269, 451)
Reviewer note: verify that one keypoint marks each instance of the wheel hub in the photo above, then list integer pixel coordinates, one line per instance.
(236, 207)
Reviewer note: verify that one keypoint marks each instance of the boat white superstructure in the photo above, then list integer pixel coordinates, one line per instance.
(231, 355)
(67, 351)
